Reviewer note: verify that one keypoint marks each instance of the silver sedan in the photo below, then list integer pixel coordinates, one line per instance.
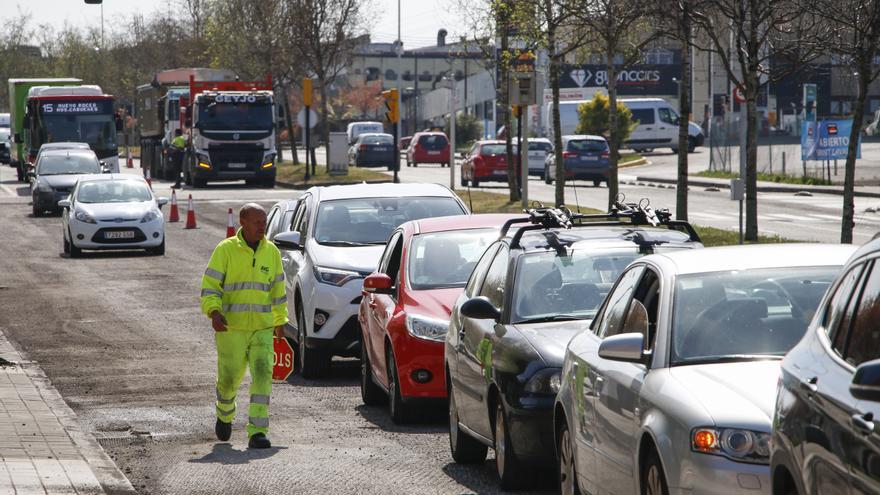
(672, 388)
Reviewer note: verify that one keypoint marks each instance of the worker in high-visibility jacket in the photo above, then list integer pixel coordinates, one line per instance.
(244, 295)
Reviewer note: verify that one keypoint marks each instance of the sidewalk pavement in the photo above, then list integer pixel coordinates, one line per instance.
(43, 450)
(763, 186)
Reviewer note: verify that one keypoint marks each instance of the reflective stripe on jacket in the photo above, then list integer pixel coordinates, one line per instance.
(246, 287)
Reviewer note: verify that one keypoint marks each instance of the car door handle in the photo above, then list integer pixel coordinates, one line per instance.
(809, 386)
(648, 128)
(864, 423)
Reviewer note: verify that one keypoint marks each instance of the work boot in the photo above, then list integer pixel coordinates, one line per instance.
(223, 430)
(259, 441)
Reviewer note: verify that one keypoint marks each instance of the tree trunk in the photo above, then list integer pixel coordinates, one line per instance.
(751, 178)
(512, 176)
(684, 111)
(847, 222)
(289, 122)
(325, 127)
(558, 161)
(614, 143)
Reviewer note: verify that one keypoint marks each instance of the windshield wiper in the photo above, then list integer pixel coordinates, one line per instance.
(733, 358)
(545, 319)
(341, 243)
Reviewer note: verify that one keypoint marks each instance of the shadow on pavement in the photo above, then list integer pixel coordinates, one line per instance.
(481, 478)
(225, 453)
(343, 373)
(426, 419)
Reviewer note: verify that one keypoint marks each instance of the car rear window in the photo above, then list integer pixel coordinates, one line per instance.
(433, 141)
(540, 146)
(587, 145)
(68, 164)
(377, 140)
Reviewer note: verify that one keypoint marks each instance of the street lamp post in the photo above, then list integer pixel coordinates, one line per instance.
(101, 3)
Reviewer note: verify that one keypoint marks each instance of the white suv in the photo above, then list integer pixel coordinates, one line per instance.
(336, 238)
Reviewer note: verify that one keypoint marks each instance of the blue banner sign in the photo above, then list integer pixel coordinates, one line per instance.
(827, 140)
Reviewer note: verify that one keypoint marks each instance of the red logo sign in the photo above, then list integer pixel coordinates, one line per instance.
(832, 129)
(283, 363)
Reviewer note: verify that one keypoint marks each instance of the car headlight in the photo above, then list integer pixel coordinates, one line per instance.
(150, 216)
(737, 444)
(84, 217)
(545, 381)
(427, 328)
(43, 187)
(335, 276)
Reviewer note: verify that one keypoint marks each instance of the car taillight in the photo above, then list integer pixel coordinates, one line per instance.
(568, 154)
(605, 154)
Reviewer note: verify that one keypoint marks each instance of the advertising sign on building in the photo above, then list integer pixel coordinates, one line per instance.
(636, 79)
(827, 140)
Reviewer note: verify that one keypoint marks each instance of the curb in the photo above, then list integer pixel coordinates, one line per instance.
(303, 187)
(764, 187)
(635, 163)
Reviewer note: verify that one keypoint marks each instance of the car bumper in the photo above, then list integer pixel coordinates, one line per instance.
(413, 355)
(699, 139)
(90, 235)
(531, 429)
(712, 474)
(492, 175)
(586, 170)
(341, 333)
(427, 157)
(203, 174)
(49, 200)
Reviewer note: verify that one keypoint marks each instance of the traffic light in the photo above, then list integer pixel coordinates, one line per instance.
(391, 98)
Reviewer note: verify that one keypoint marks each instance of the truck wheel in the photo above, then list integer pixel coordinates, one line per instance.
(197, 183)
(269, 183)
(463, 181)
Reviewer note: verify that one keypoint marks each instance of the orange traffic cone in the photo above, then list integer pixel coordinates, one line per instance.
(130, 162)
(149, 180)
(173, 215)
(190, 214)
(230, 225)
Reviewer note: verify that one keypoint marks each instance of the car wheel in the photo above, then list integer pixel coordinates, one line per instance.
(464, 181)
(597, 183)
(158, 250)
(653, 479)
(75, 252)
(674, 151)
(401, 413)
(36, 210)
(465, 448)
(568, 484)
(314, 363)
(692, 145)
(371, 394)
(65, 244)
(415, 164)
(509, 469)
(548, 179)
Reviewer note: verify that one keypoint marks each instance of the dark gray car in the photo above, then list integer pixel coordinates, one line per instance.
(55, 174)
(826, 426)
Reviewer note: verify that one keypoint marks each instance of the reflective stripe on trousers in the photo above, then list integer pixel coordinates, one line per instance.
(238, 351)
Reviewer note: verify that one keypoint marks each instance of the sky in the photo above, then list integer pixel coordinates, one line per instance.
(420, 19)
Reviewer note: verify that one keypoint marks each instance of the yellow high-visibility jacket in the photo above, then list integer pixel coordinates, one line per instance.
(247, 287)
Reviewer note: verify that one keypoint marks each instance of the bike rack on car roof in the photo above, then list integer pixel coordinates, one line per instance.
(620, 214)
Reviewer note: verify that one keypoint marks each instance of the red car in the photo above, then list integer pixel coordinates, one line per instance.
(486, 161)
(428, 147)
(405, 307)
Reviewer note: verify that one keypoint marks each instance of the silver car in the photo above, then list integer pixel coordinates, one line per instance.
(672, 388)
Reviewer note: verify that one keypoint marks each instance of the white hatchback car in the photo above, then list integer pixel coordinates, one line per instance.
(111, 211)
(336, 239)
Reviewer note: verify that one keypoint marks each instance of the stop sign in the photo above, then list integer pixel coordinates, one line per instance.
(283, 363)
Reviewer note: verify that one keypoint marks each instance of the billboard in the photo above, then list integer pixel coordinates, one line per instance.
(637, 79)
(827, 140)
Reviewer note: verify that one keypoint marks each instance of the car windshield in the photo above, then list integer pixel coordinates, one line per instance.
(381, 139)
(746, 314)
(587, 145)
(68, 164)
(113, 191)
(362, 221)
(446, 259)
(573, 284)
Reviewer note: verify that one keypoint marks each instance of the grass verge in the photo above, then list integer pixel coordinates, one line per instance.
(778, 178)
(629, 157)
(294, 174)
(486, 202)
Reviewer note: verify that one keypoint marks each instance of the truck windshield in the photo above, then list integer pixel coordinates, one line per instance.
(235, 116)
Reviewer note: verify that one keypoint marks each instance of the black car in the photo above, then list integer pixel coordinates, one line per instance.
(826, 427)
(529, 294)
(373, 149)
(55, 174)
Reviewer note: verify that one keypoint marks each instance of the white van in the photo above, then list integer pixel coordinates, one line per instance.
(355, 129)
(658, 124)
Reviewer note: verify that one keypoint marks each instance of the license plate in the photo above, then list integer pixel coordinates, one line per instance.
(433, 152)
(123, 234)
(499, 172)
(380, 148)
(589, 158)
(237, 165)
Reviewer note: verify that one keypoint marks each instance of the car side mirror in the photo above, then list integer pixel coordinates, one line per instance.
(64, 203)
(161, 202)
(288, 240)
(378, 283)
(480, 308)
(105, 169)
(866, 381)
(626, 347)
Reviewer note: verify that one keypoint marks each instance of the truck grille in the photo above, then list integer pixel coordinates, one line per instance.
(229, 158)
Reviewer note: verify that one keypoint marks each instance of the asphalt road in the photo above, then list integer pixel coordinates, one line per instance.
(121, 338)
(804, 218)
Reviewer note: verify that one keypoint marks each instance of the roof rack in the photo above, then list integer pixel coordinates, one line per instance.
(621, 213)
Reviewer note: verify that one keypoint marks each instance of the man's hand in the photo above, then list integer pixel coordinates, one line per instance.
(279, 332)
(218, 321)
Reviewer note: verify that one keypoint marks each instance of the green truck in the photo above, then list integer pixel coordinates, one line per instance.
(18, 94)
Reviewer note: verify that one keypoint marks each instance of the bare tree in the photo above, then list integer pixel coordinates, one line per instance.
(855, 25)
(759, 33)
